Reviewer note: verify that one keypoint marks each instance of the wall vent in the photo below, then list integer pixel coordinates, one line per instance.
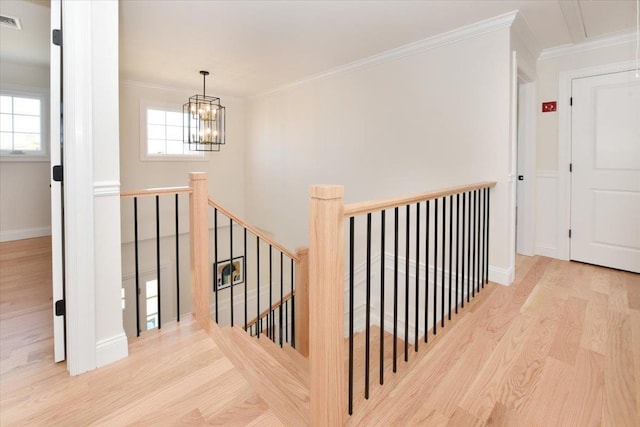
(9, 21)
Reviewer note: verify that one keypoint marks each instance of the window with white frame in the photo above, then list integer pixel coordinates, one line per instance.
(161, 134)
(152, 303)
(22, 125)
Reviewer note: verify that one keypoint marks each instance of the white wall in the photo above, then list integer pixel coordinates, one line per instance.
(25, 198)
(549, 68)
(432, 119)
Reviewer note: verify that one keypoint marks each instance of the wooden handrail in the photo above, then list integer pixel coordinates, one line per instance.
(273, 307)
(155, 191)
(253, 229)
(360, 208)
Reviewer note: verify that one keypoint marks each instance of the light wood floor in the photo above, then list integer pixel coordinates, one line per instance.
(560, 347)
(177, 376)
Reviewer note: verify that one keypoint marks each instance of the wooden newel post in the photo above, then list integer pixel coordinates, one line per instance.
(326, 308)
(199, 246)
(302, 302)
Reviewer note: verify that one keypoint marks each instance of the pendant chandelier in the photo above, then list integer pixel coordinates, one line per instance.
(203, 121)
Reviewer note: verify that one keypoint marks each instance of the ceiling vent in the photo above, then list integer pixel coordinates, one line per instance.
(9, 21)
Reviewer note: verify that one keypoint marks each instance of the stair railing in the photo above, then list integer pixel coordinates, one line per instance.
(273, 275)
(283, 314)
(454, 265)
(171, 193)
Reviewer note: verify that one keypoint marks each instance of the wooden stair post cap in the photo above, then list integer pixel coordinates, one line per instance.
(197, 176)
(326, 192)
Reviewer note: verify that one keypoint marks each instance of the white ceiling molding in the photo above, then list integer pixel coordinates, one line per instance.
(184, 91)
(524, 42)
(473, 30)
(599, 43)
(573, 17)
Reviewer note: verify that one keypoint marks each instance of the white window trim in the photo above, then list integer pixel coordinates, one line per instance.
(43, 95)
(144, 156)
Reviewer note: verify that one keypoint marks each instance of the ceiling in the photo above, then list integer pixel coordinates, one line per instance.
(253, 46)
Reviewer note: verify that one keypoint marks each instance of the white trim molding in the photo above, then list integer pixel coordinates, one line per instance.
(78, 160)
(592, 44)
(106, 188)
(564, 145)
(24, 233)
(111, 349)
(439, 40)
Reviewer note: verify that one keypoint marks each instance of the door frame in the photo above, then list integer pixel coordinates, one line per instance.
(564, 146)
(527, 93)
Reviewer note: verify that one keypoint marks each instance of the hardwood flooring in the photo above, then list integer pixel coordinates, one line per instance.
(560, 347)
(176, 376)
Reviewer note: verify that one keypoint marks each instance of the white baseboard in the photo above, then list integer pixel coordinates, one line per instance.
(501, 276)
(25, 233)
(111, 349)
(548, 251)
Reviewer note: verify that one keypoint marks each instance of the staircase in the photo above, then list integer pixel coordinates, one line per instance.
(280, 376)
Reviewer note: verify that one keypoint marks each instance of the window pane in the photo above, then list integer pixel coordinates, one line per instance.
(26, 124)
(5, 104)
(155, 132)
(174, 133)
(174, 119)
(152, 287)
(156, 146)
(152, 321)
(5, 123)
(155, 117)
(27, 106)
(26, 141)
(6, 142)
(174, 147)
(152, 306)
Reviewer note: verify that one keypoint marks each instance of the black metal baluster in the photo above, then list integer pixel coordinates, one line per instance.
(368, 309)
(281, 296)
(286, 321)
(457, 249)
(469, 288)
(215, 259)
(450, 251)
(482, 220)
(231, 268)
(472, 274)
(478, 240)
(417, 296)
(293, 308)
(270, 310)
(158, 260)
(406, 282)
(395, 291)
(258, 285)
(351, 299)
(426, 277)
(435, 266)
(464, 209)
(382, 262)
(135, 238)
(244, 276)
(444, 249)
(177, 265)
(488, 235)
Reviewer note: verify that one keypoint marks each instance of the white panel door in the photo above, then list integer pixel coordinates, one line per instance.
(605, 182)
(57, 257)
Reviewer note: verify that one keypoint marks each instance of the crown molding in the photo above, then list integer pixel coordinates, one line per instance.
(593, 44)
(183, 91)
(463, 33)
